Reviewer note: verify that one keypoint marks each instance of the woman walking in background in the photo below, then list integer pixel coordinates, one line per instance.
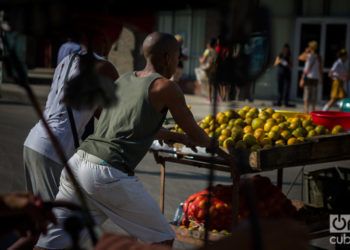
(339, 73)
(283, 63)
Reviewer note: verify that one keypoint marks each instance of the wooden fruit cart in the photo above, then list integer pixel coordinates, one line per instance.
(319, 149)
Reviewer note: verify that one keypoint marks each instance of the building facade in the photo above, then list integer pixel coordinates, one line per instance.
(295, 22)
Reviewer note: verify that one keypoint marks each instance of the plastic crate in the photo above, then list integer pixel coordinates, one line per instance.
(328, 188)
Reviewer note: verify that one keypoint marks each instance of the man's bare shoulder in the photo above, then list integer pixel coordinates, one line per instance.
(164, 85)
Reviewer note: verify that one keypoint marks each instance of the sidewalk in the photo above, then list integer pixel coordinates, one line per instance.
(200, 106)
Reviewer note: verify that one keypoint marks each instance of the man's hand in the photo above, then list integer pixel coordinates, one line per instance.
(25, 213)
(168, 137)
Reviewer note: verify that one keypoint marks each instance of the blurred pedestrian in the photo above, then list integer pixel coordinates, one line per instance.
(224, 69)
(208, 65)
(183, 57)
(42, 165)
(339, 74)
(283, 62)
(312, 75)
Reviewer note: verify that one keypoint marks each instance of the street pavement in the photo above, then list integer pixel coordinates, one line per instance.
(17, 117)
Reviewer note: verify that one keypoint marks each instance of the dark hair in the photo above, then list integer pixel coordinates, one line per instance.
(212, 42)
(342, 53)
(286, 46)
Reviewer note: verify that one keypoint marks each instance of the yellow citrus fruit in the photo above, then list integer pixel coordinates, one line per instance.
(276, 116)
(309, 128)
(273, 135)
(242, 113)
(320, 129)
(259, 134)
(292, 141)
(265, 141)
(255, 147)
(285, 134)
(228, 143)
(249, 139)
(306, 123)
(311, 133)
(280, 142)
(283, 125)
(222, 138)
(257, 123)
(299, 132)
(239, 122)
(264, 115)
(270, 111)
(267, 146)
(226, 132)
(248, 129)
(268, 126)
(276, 129)
(231, 122)
(222, 119)
(337, 129)
(271, 120)
(301, 139)
(248, 120)
(246, 108)
(240, 145)
(251, 114)
(297, 121)
(237, 130)
(229, 114)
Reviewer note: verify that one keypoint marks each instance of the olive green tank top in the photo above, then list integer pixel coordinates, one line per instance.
(126, 130)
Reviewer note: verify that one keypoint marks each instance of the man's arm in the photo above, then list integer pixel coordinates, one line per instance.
(166, 94)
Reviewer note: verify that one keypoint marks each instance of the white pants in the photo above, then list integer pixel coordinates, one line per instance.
(110, 194)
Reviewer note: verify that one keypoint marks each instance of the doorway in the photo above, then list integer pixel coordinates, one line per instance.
(332, 34)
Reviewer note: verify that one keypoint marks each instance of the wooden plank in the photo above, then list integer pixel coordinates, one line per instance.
(162, 186)
(318, 150)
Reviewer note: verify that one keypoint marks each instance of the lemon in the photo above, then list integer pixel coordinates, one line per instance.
(229, 114)
(280, 142)
(268, 126)
(265, 141)
(255, 147)
(257, 123)
(276, 129)
(240, 145)
(239, 122)
(259, 134)
(226, 132)
(273, 135)
(320, 129)
(285, 134)
(292, 141)
(249, 139)
(248, 120)
(264, 115)
(228, 143)
(231, 122)
(337, 129)
(248, 129)
(242, 113)
(222, 119)
(311, 133)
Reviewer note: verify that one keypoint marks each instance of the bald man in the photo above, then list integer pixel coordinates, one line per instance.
(105, 162)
